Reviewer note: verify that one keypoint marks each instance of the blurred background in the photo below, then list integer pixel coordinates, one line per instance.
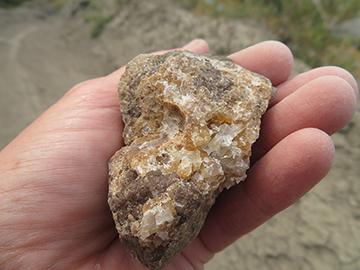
(48, 46)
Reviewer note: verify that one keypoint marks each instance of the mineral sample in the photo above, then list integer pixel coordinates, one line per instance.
(190, 121)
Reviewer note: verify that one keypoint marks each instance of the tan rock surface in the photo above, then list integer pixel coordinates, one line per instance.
(190, 122)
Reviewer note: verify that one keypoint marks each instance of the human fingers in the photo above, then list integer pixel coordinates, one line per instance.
(272, 59)
(327, 103)
(289, 87)
(197, 46)
(290, 169)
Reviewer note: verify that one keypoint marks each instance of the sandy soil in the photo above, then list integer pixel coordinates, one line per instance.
(43, 53)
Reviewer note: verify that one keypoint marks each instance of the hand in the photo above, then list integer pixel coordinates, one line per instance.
(53, 176)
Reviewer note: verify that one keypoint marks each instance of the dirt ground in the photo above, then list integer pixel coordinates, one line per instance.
(44, 52)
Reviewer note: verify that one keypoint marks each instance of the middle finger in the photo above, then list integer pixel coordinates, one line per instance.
(326, 103)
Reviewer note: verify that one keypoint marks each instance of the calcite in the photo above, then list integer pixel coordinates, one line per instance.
(190, 122)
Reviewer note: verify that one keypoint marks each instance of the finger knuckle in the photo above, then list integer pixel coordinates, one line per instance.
(85, 86)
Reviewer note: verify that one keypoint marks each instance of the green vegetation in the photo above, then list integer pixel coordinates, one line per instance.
(97, 17)
(11, 3)
(93, 11)
(99, 23)
(306, 26)
(57, 4)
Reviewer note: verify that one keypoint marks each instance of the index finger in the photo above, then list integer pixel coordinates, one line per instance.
(197, 46)
(271, 59)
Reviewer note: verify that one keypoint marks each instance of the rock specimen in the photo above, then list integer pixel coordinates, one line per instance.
(190, 122)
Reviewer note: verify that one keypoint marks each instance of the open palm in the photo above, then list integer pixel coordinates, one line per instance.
(53, 176)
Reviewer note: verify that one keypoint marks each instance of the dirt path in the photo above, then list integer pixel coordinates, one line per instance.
(44, 53)
(37, 66)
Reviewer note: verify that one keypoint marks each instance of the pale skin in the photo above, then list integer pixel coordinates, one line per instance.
(53, 176)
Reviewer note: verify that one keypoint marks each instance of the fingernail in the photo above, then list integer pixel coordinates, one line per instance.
(195, 43)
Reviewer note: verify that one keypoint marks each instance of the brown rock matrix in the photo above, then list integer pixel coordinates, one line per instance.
(190, 122)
